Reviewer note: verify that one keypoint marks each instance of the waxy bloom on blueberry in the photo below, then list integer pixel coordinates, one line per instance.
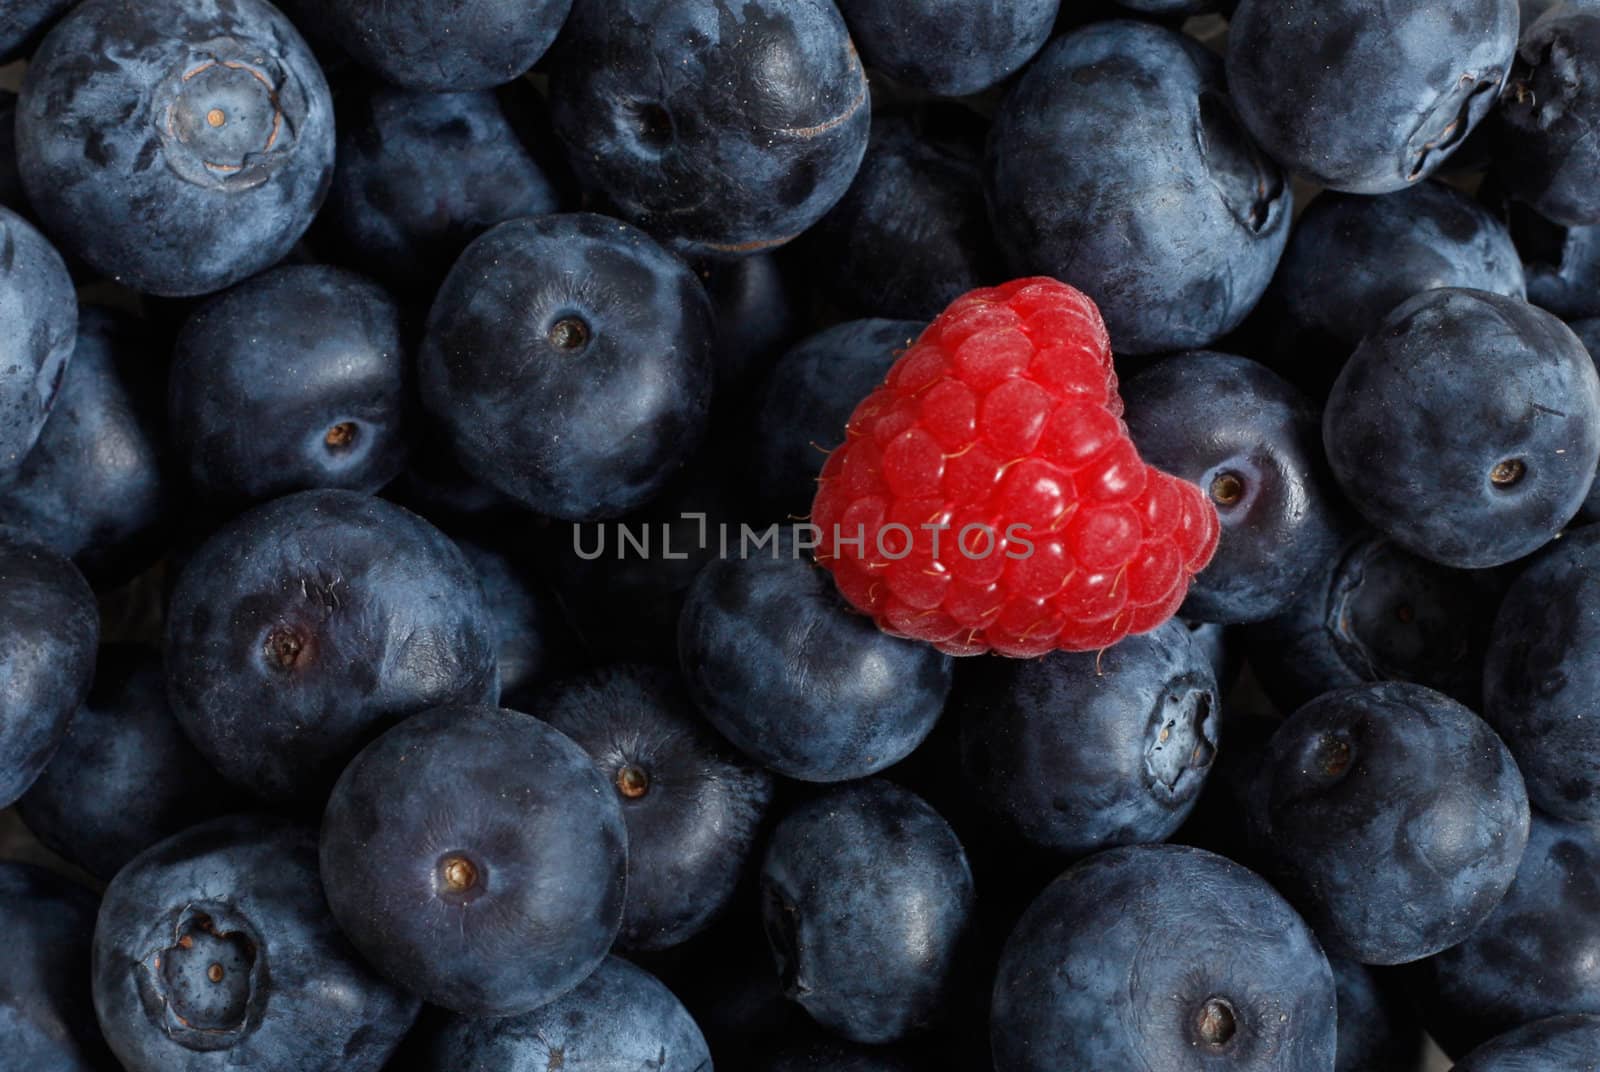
(988, 497)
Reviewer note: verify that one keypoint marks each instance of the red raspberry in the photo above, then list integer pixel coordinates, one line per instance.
(999, 502)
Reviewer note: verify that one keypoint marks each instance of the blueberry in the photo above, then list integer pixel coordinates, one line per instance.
(1351, 259)
(177, 146)
(570, 360)
(293, 380)
(1427, 75)
(421, 174)
(443, 45)
(24, 22)
(303, 628)
(1079, 751)
(125, 776)
(692, 805)
(1466, 427)
(1376, 612)
(621, 1017)
(953, 48)
(527, 626)
(97, 486)
(1117, 164)
(722, 127)
(1378, 1031)
(1562, 264)
(1392, 817)
(45, 1006)
(40, 311)
(1166, 958)
(1559, 1044)
(1248, 438)
(1541, 676)
(1545, 116)
(1534, 957)
(51, 626)
(808, 399)
(214, 949)
(476, 857)
(912, 234)
(795, 678)
(1588, 333)
(866, 897)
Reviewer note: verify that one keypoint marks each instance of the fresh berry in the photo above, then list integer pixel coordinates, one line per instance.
(1559, 1044)
(215, 949)
(999, 502)
(621, 1017)
(475, 856)
(1077, 751)
(1166, 958)
(1392, 817)
(1466, 427)
(196, 157)
(1428, 74)
(1111, 119)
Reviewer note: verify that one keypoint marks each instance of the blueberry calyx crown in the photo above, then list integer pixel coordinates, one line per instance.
(205, 987)
(1182, 740)
(228, 116)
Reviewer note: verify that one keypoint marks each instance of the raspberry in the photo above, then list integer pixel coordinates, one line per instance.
(987, 496)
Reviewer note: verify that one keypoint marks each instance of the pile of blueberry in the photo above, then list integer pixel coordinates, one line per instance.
(417, 652)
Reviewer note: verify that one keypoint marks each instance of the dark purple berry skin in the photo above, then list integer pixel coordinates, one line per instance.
(40, 309)
(569, 359)
(305, 627)
(866, 897)
(952, 48)
(693, 805)
(52, 627)
(99, 486)
(125, 776)
(196, 159)
(1530, 959)
(477, 858)
(1541, 676)
(45, 998)
(314, 364)
(420, 175)
(1377, 612)
(445, 45)
(1249, 439)
(215, 949)
(722, 127)
(1559, 1044)
(1081, 985)
(1080, 751)
(1392, 817)
(1116, 163)
(1546, 156)
(1497, 445)
(621, 1017)
(1429, 75)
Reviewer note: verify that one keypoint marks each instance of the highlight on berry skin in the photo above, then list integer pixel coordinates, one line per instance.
(988, 498)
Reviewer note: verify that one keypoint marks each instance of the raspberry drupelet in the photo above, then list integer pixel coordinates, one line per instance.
(987, 496)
